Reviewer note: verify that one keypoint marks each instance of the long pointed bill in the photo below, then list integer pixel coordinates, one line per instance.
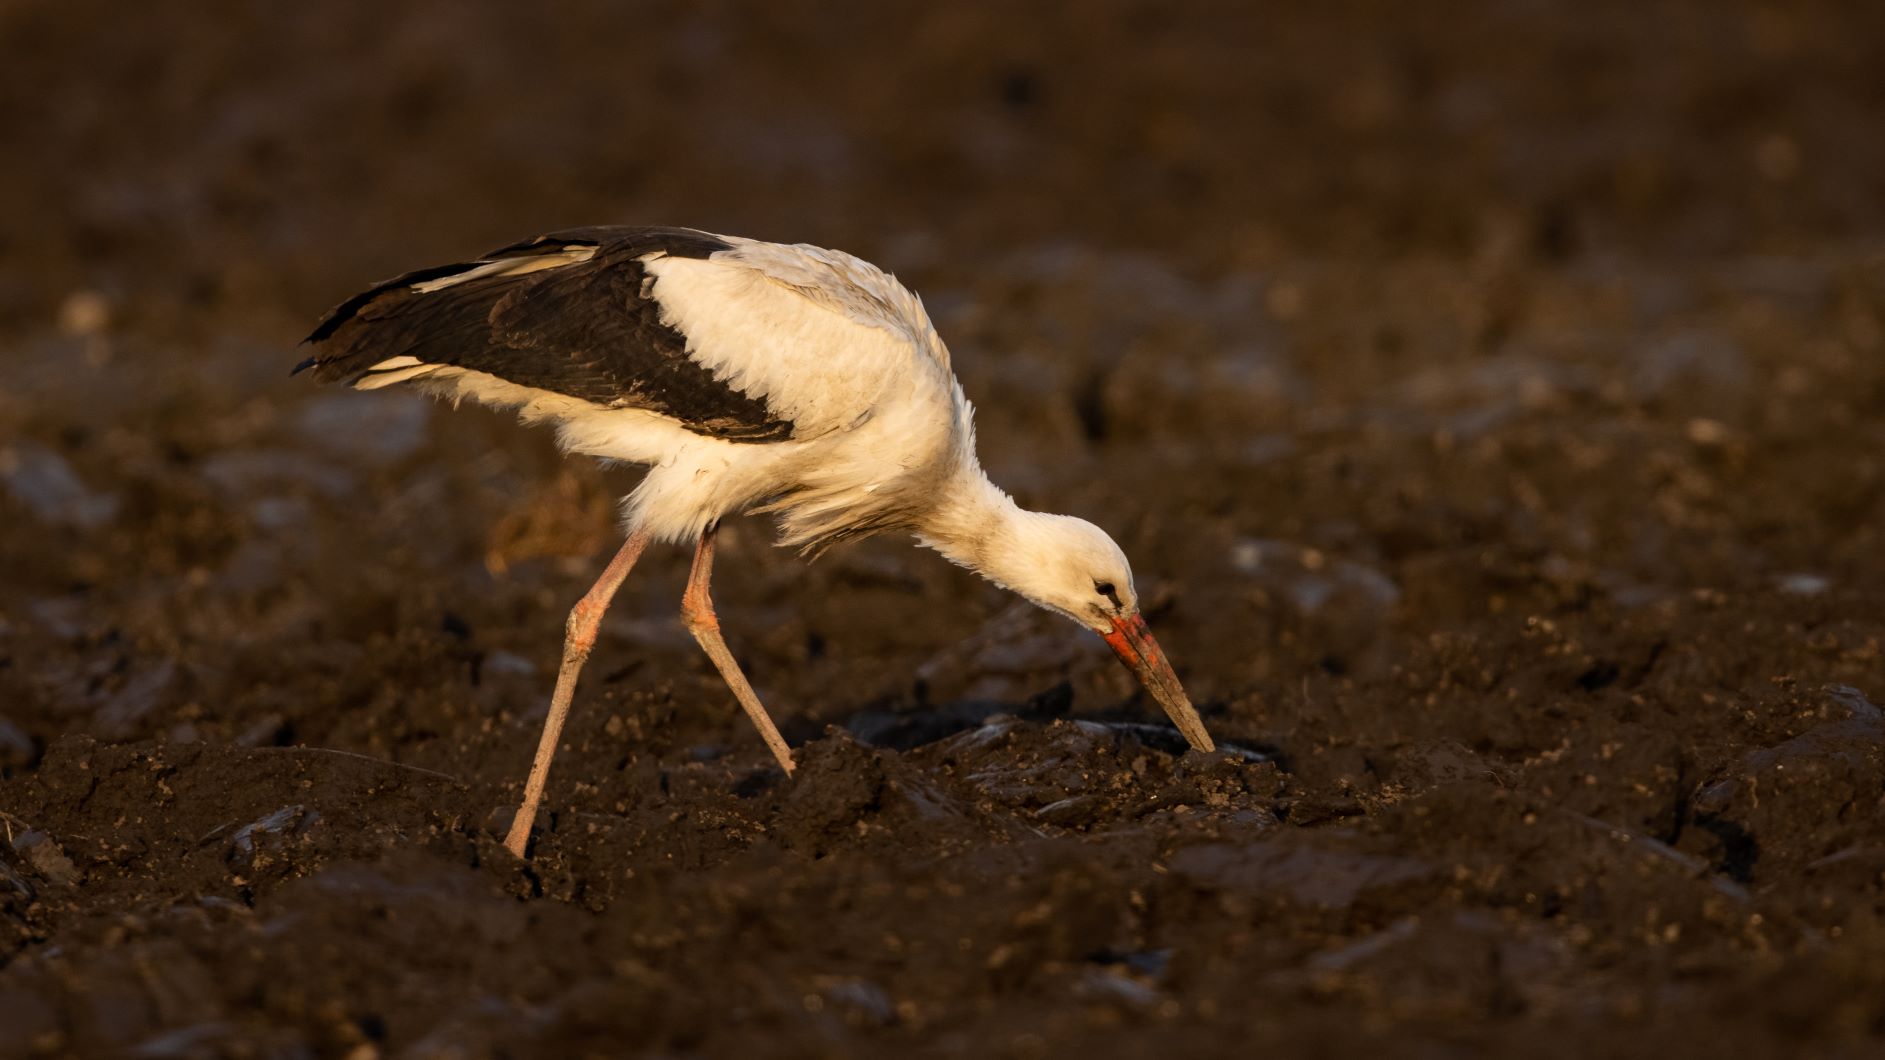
(1133, 643)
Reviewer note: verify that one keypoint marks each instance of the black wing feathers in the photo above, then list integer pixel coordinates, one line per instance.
(580, 329)
(349, 309)
(674, 242)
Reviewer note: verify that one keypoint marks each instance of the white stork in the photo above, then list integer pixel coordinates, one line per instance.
(748, 377)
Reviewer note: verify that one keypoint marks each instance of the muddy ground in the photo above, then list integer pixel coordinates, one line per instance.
(1490, 400)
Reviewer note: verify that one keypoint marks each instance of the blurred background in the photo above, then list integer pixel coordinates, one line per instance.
(1489, 399)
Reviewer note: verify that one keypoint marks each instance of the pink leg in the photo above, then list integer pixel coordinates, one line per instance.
(697, 612)
(580, 636)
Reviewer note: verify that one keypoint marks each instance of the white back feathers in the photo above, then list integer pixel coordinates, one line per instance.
(821, 356)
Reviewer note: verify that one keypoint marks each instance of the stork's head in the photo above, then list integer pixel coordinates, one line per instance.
(1070, 566)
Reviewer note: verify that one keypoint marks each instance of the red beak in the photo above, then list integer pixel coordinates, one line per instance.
(1133, 643)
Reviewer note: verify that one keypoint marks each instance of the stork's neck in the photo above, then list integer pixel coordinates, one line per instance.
(1064, 564)
(975, 525)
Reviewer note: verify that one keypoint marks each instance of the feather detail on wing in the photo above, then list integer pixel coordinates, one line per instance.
(567, 315)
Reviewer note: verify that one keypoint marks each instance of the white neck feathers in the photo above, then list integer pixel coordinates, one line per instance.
(972, 520)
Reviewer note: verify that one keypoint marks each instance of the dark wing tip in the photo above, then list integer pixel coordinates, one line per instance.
(680, 242)
(357, 332)
(339, 315)
(351, 308)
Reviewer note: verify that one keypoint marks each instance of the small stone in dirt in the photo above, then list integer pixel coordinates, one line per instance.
(1805, 584)
(509, 664)
(1310, 578)
(381, 429)
(47, 858)
(269, 730)
(498, 821)
(18, 750)
(861, 1002)
(120, 715)
(45, 484)
(287, 821)
(1150, 964)
(14, 880)
(1069, 811)
(1315, 875)
(1111, 984)
(1854, 701)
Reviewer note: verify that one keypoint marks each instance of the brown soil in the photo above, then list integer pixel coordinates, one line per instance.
(1490, 396)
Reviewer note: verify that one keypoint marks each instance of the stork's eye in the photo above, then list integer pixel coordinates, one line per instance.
(1108, 590)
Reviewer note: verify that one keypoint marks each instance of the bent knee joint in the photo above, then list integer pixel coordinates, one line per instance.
(698, 615)
(580, 631)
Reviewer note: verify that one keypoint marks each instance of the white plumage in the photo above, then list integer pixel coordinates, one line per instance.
(830, 343)
(747, 376)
